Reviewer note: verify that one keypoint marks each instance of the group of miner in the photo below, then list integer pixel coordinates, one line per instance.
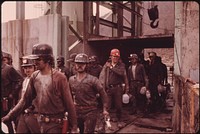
(43, 98)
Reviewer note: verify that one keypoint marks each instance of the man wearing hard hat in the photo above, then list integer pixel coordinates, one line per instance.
(138, 83)
(113, 76)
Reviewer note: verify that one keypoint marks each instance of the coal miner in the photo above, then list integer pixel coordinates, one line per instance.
(84, 88)
(112, 76)
(50, 91)
(11, 83)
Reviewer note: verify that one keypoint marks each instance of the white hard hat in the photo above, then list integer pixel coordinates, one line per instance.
(125, 98)
(143, 90)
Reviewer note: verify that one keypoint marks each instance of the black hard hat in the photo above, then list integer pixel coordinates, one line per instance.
(133, 56)
(27, 62)
(81, 58)
(41, 50)
(152, 54)
(60, 58)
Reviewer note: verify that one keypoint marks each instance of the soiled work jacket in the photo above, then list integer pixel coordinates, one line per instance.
(54, 99)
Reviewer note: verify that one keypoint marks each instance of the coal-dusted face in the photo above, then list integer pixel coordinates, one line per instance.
(40, 63)
(28, 70)
(80, 67)
(60, 63)
(133, 60)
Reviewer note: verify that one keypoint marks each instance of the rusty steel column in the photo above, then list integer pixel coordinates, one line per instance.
(20, 10)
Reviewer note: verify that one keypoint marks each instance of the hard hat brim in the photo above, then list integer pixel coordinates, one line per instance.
(26, 65)
(33, 57)
(70, 60)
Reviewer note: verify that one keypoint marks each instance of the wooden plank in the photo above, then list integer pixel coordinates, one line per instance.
(192, 110)
(195, 89)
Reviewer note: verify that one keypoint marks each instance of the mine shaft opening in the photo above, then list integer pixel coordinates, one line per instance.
(102, 47)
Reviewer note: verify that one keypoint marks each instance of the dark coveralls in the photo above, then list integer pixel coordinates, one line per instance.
(52, 98)
(112, 80)
(154, 76)
(86, 102)
(11, 84)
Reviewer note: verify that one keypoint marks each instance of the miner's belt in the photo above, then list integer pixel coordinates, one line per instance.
(85, 107)
(47, 119)
(114, 85)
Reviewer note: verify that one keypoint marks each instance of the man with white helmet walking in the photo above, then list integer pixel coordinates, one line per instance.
(84, 88)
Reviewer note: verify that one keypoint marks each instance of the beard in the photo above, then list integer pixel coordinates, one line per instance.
(80, 69)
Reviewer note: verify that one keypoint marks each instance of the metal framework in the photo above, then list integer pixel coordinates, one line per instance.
(123, 17)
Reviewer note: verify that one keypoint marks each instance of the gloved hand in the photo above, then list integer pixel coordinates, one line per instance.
(108, 64)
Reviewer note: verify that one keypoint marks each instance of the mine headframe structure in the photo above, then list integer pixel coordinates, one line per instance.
(121, 18)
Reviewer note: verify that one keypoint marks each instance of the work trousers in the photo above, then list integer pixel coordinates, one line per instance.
(154, 96)
(87, 118)
(138, 100)
(115, 97)
(28, 124)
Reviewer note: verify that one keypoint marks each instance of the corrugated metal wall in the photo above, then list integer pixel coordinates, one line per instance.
(19, 36)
